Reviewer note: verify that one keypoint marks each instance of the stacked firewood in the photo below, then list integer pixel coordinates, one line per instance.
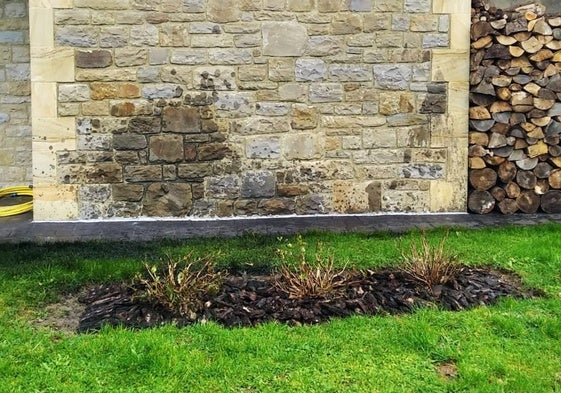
(515, 110)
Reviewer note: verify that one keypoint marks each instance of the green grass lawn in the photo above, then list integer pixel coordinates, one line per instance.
(514, 346)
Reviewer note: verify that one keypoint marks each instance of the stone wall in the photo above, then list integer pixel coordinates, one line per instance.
(15, 128)
(252, 107)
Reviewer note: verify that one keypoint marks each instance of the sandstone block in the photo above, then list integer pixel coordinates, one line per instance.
(144, 35)
(76, 36)
(127, 192)
(300, 5)
(304, 117)
(130, 57)
(113, 37)
(93, 58)
(144, 125)
(195, 171)
(143, 173)
(167, 200)
(284, 39)
(223, 11)
(166, 148)
(129, 142)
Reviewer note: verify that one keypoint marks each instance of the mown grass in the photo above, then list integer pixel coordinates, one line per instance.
(514, 346)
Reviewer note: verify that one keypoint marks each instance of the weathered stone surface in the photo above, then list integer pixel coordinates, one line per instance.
(166, 148)
(258, 184)
(161, 91)
(181, 119)
(167, 200)
(93, 58)
(127, 192)
(223, 187)
(142, 173)
(223, 11)
(212, 152)
(309, 70)
(304, 117)
(394, 77)
(326, 92)
(264, 148)
(129, 142)
(195, 171)
(276, 41)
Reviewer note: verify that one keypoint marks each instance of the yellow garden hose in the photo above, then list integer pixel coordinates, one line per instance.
(24, 207)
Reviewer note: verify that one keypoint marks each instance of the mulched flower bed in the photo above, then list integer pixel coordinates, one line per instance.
(248, 300)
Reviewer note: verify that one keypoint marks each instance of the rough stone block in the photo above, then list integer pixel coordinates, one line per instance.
(258, 184)
(73, 92)
(126, 57)
(166, 148)
(167, 200)
(392, 76)
(93, 58)
(276, 41)
(304, 117)
(222, 187)
(195, 171)
(127, 192)
(326, 92)
(182, 120)
(129, 142)
(301, 147)
(309, 70)
(144, 35)
(350, 73)
(265, 148)
(223, 11)
(215, 78)
(161, 91)
(76, 36)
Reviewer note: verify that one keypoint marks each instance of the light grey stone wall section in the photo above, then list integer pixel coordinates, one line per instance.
(15, 127)
(220, 108)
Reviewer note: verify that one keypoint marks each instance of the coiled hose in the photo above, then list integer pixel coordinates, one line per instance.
(12, 210)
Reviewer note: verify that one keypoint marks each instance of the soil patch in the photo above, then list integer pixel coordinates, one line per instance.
(248, 300)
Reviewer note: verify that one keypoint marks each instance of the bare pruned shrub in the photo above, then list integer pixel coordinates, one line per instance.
(300, 277)
(181, 287)
(431, 265)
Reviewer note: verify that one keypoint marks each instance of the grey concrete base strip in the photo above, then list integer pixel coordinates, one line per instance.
(24, 230)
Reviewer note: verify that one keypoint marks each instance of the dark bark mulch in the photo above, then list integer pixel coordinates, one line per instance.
(248, 300)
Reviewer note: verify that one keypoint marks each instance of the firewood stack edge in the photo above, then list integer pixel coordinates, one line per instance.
(515, 110)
